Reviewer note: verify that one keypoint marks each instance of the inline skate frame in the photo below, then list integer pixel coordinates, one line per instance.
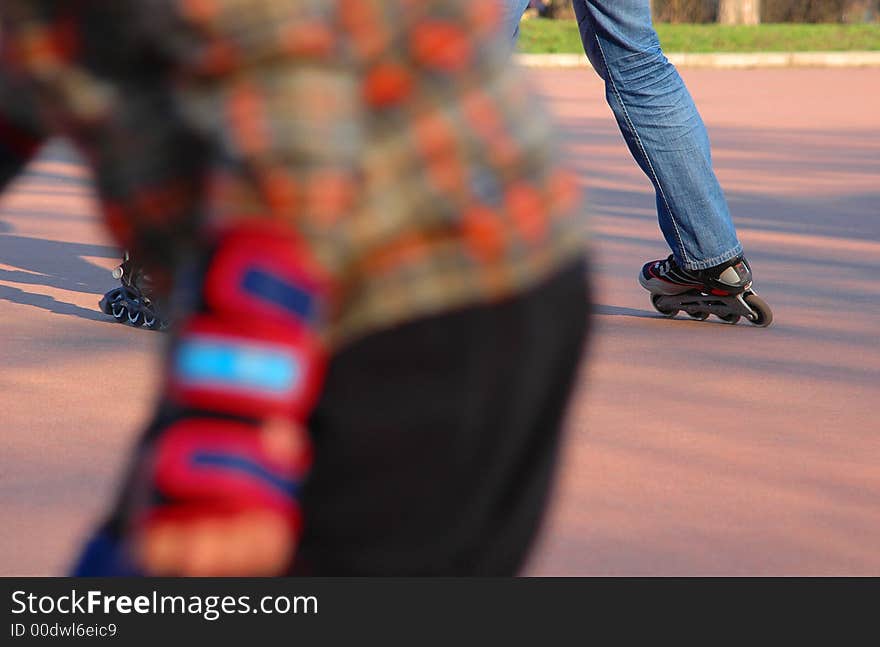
(730, 308)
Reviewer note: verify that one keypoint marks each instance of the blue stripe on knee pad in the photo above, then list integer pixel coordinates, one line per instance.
(275, 370)
(242, 465)
(276, 290)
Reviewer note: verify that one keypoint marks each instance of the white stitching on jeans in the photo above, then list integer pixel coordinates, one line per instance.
(642, 149)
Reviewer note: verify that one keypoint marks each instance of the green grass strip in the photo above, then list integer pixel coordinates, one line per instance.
(543, 36)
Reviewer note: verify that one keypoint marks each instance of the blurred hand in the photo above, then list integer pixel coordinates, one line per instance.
(256, 543)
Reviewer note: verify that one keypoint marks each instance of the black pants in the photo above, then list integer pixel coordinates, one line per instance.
(436, 441)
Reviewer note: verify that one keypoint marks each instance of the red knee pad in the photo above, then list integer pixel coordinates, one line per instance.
(206, 467)
(246, 368)
(255, 350)
(262, 270)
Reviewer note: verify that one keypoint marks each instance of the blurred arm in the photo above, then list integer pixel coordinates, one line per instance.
(214, 487)
(20, 134)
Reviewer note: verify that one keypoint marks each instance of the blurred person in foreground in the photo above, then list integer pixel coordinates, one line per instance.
(375, 268)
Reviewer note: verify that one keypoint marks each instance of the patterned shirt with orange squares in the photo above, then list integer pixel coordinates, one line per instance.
(394, 136)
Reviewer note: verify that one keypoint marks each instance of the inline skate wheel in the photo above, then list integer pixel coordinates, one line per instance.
(655, 300)
(109, 300)
(729, 319)
(118, 310)
(764, 315)
(134, 318)
(699, 316)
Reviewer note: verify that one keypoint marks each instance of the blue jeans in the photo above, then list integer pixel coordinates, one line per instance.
(511, 12)
(661, 126)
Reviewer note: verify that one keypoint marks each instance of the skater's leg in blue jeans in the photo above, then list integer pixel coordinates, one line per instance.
(660, 123)
(667, 137)
(511, 13)
(662, 128)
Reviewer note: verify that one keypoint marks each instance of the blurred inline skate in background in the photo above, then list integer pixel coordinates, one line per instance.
(133, 302)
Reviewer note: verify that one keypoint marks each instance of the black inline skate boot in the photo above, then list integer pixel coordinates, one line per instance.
(724, 291)
(132, 303)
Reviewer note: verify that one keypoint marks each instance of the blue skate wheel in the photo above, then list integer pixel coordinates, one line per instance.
(113, 296)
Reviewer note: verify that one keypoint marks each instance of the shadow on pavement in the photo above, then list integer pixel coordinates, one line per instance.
(29, 260)
(617, 311)
(45, 302)
(55, 263)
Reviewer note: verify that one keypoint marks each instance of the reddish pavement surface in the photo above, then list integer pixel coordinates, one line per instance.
(694, 448)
